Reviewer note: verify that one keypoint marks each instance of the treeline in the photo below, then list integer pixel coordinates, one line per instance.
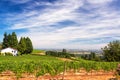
(24, 46)
(63, 54)
(92, 56)
(10, 40)
(110, 53)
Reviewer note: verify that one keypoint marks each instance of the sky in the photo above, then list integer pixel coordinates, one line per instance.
(70, 24)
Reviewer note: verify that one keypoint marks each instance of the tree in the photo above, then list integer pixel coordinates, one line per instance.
(0, 45)
(22, 46)
(10, 40)
(111, 52)
(92, 56)
(5, 41)
(29, 46)
(64, 51)
(25, 45)
(62, 54)
(14, 42)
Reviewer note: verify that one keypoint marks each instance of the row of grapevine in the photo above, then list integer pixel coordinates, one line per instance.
(39, 68)
(32, 67)
(92, 65)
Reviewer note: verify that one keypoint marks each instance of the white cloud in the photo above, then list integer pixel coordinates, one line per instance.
(20, 1)
(50, 16)
(99, 1)
(98, 23)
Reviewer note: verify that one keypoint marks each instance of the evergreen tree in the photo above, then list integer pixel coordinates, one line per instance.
(14, 43)
(5, 41)
(9, 40)
(22, 46)
(29, 46)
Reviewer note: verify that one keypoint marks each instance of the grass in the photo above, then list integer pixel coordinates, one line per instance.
(37, 51)
(28, 58)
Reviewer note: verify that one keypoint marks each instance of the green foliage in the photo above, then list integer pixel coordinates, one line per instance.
(52, 53)
(14, 43)
(64, 51)
(5, 41)
(111, 52)
(92, 56)
(8, 54)
(59, 54)
(35, 51)
(32, 64)
(22, 45)
(94, 65)
(29, 46)
(40, 65)
(62, 54)
(0, 45)
(10, 40)
(25, 45)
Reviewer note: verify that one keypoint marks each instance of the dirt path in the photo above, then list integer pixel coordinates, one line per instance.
(64, 59)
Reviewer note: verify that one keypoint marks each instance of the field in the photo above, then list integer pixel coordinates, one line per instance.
(36, 51)
(52, 67)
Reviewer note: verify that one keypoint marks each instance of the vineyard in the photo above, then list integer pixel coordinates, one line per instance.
(40, 65)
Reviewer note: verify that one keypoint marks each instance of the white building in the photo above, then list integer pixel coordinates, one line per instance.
(14, 52)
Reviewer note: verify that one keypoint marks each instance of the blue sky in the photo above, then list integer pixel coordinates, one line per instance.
(71, 24)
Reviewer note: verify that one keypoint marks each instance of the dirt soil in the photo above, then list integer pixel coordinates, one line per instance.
(82, 75)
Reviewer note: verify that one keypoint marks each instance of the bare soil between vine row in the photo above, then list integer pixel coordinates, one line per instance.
(82, 75)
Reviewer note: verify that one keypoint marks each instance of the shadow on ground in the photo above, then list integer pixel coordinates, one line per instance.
(113, 79)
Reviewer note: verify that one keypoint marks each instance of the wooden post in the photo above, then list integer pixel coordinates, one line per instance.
(64, 71)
